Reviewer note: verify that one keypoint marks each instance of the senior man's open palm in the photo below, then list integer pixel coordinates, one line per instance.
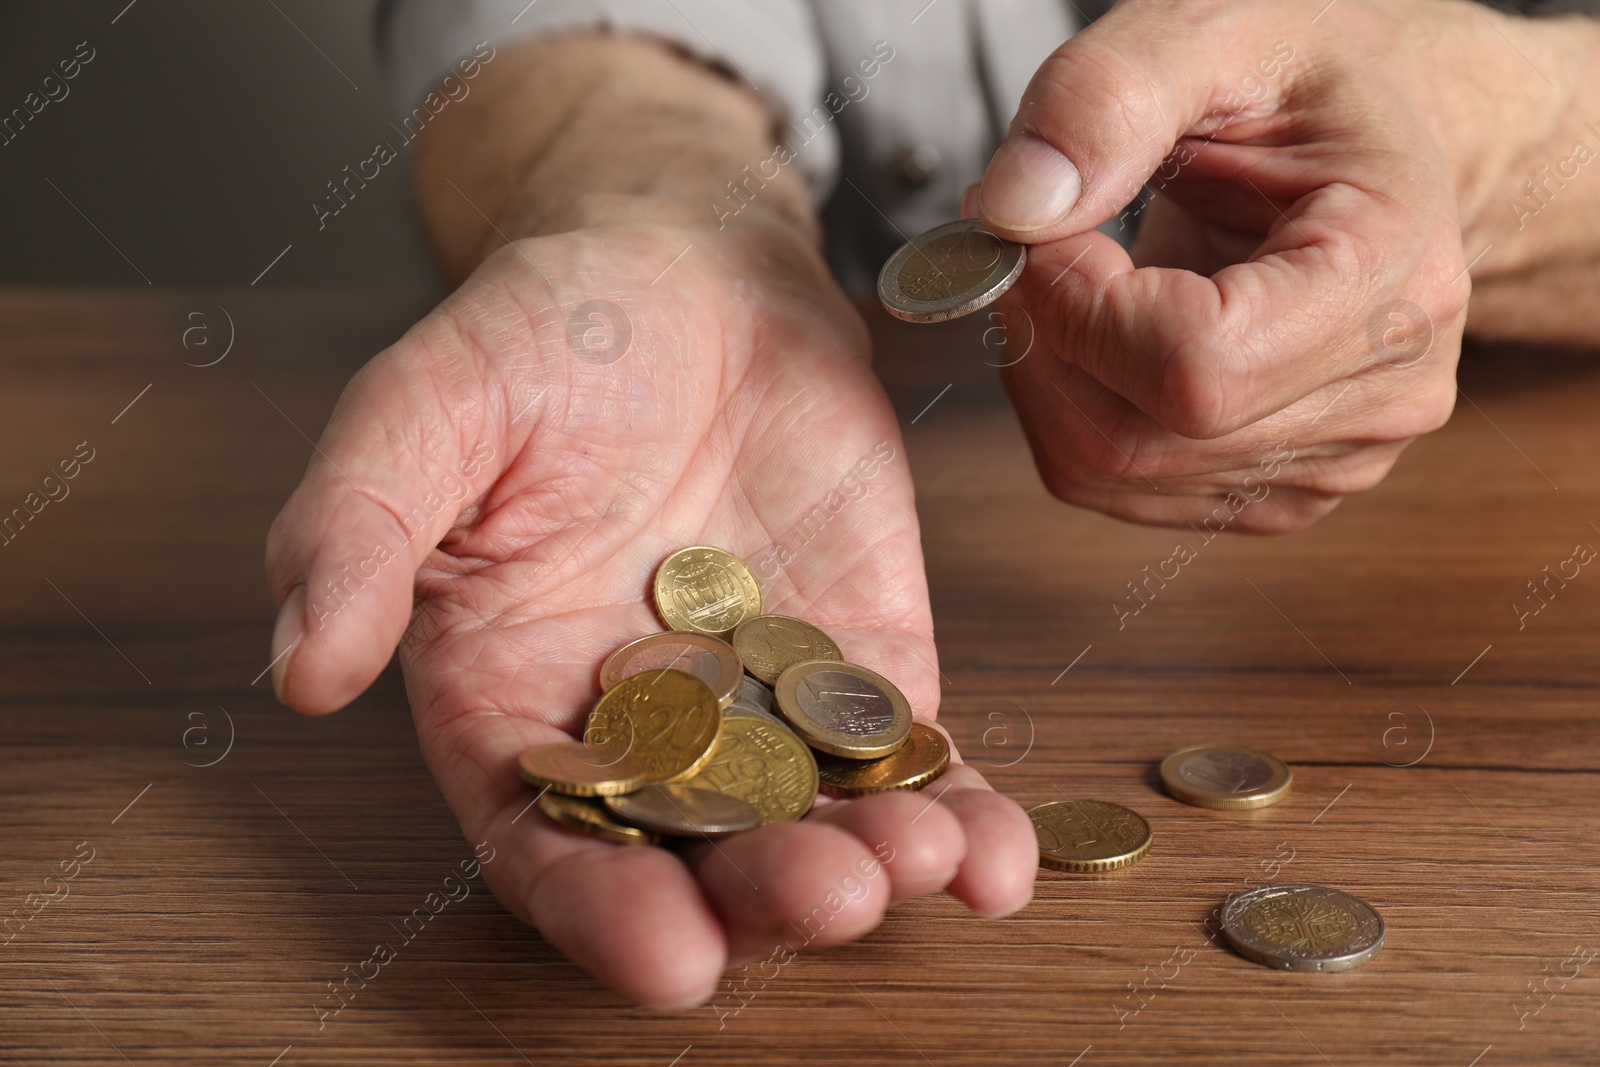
(584, 405)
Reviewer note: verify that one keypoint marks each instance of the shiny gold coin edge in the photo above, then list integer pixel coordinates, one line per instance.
(910, 783)
(897, 700)
(723, 699)
(571, 787)
(603, 827)
(668, 617)
(688, 771)
(1261, 798)
(1100, 866)
(733, 639)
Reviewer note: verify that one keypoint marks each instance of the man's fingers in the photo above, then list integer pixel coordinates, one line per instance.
(793, 884)
(1002, 860)
(632, 916)
(920, 844)
(1204, 356)
(390, 476)
(1104, 111)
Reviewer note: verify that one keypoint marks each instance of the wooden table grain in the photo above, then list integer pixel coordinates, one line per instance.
(229, 859)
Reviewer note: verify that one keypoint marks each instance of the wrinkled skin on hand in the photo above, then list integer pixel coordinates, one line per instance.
(526, 480)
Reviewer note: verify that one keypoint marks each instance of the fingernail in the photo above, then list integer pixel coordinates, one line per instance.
(1029, 185)
(286, 635)
(969, 201)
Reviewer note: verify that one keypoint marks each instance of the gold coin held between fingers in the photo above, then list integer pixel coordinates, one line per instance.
(575, 769)
(843, 709)
(768, 645)
(924, 757)
(1226, 777)
(590, 817)
(949, 271)
(764, 764)
(684, 811)
(1088, 836)
(706, 590)
(667, 718)
(1302, 928)
(710, 659)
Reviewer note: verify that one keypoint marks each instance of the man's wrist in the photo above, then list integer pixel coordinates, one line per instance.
(590, 129)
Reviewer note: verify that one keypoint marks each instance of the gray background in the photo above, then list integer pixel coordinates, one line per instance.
(197, 139)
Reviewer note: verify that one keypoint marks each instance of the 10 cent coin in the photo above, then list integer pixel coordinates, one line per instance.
(706, 590)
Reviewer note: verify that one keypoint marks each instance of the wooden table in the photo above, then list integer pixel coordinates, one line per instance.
(1445, 761)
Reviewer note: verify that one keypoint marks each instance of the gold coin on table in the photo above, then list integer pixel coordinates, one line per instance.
(710, 659)
(590, 817)
(684, 811)
(924, 757)
(768, 645)
(764, 764)
(667, 718)
(579, 770)
(706, 590)
(949, 271)
(1302, 928)
(1226, 777)
(843, 709)
(1088, 836)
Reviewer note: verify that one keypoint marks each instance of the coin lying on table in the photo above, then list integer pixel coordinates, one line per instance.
(684, 811)
(843, 709)
(706, 590)
(575, 769)
(768, 645)
(588, 816)
(710, 659)
(666, 718)
(1088, 836)
(1226, 777)
(924, 757)
(1302, 928)
(763, 764)
(949, 271)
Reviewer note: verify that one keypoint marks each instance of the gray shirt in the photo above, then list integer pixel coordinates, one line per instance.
(891, 106)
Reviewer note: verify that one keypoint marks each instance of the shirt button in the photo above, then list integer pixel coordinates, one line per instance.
(914, 166)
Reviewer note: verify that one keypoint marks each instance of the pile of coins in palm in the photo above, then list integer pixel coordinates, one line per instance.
(730, 720)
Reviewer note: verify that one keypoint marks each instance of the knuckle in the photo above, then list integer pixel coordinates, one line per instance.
(1198, 390)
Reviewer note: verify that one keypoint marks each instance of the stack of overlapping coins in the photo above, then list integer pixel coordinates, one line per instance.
(730, 720)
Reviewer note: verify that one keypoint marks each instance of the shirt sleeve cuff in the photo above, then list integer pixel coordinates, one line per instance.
(772, 45)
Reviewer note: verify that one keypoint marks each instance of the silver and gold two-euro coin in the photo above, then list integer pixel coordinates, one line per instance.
(949, 271)
(1302, 928)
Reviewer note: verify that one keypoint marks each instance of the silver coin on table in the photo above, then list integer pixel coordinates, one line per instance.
(754, 700)
(683, 811)
(1302, 928)
(1226, 777)
(949, 271)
